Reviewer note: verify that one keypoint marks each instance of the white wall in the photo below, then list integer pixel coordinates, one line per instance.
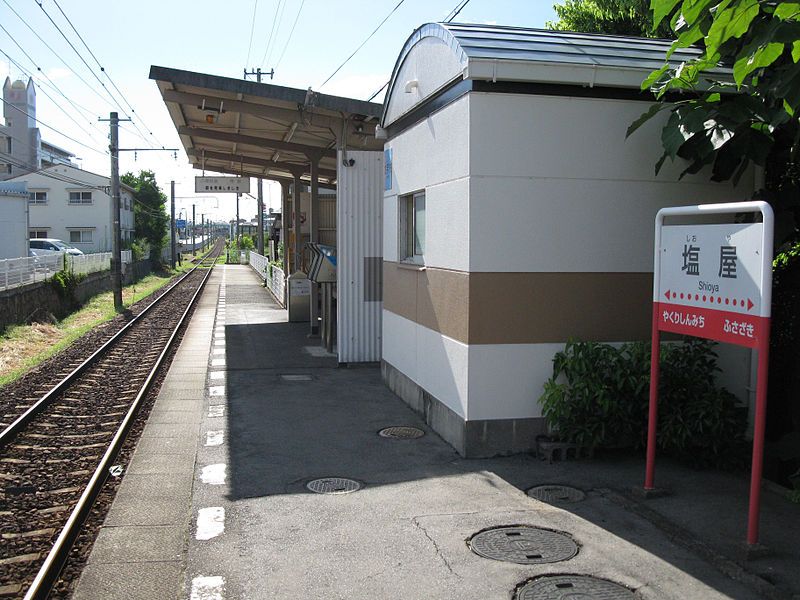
(13, 226)
(58, 217)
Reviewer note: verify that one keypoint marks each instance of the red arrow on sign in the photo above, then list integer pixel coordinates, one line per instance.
(749, 304)
(667, 294)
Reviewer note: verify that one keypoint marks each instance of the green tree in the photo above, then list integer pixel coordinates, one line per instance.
(615, 17)
(149, 202)
(731, 122)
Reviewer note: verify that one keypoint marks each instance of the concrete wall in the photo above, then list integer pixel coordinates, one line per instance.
(539, 225)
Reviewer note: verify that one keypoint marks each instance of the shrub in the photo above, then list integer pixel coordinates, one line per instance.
(599, 397)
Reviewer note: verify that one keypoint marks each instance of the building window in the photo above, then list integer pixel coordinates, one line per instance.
(37, 234)
(37, 198)
(80, 236)
(80, 197)
(412, 227)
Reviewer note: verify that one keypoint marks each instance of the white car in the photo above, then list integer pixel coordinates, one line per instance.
(52, 245)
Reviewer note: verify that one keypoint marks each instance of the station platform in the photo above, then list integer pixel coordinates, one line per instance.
(214, 504)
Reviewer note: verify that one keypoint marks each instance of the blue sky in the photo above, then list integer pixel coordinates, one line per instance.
(208, 37)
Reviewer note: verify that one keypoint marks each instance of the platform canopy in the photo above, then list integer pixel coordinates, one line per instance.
(262, 130)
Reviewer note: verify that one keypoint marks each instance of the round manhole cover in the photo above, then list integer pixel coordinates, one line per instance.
(401, 433)
(573, 587)
(333, 485)
(523, 545)
(556, 493)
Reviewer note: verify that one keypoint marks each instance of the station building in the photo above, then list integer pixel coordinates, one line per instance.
(516, 216)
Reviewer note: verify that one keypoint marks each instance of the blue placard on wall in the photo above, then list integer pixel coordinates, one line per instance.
(387, 166)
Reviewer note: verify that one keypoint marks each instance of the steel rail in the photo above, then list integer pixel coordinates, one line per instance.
(10, 432)
(50, 569)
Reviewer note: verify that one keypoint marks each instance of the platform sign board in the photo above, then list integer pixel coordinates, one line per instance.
(180, 223)
(710, 280)
(714, 281)
(222, 185)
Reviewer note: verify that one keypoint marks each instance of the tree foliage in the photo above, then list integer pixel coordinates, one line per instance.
(614, 17)
(152, 220)
(732, 122)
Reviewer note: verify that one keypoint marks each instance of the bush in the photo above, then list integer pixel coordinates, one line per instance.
(599, 397)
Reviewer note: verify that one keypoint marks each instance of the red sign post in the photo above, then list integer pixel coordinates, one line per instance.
(714, 282)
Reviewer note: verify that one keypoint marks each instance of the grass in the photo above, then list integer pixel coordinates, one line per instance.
(22, 347)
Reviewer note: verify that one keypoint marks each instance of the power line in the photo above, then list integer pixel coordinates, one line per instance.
(271, 32)
(252, 29)
(289, 39)
(61, 133)
(454, 13)
(363, 43)
(379, 90)
(56, 176)
(277, 29)
(106, 73)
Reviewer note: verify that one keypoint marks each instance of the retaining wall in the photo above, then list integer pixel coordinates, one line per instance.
(35, 301)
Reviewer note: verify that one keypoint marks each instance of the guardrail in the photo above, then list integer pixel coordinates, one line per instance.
(16, 272)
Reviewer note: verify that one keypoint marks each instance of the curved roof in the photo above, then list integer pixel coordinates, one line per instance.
(501, 53)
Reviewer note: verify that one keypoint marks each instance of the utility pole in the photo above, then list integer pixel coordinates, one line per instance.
(237, 217)
(172, 223)
(193, 228)
(203, 230)
(260, 249)
(257, 72)
(116, 253)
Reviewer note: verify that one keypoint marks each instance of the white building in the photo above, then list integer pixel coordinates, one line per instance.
(13, 220)
(21, 147)
(73, 205)
(517, 216)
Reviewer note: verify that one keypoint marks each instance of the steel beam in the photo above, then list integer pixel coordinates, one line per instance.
(259, 142)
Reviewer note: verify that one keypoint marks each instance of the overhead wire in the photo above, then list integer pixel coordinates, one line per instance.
(33, 169)
(277, 29)
(42, 88)
(252, 30)
(369, 37)
(457, 9)
(83, 60)
(271, 32)
(289, 39)
(105, 72)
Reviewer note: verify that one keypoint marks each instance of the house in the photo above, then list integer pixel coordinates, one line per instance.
(13, 220)
(516, 215)
(21, 146)
(74, 205)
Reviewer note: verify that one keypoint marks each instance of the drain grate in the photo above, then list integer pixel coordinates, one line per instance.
(523, 545)
(333, 485)
(556, 493)
(401, 433)
(563, 587)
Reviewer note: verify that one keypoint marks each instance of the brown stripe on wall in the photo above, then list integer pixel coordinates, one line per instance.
(522, 308)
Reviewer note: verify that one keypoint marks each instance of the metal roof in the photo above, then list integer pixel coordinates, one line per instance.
(519, 54)
(13, 188)
(255, 129)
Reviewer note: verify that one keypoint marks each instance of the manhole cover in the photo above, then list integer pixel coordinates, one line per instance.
(556, 493)
(333, 485)
(573, 587)
(523, 545)
(401, 433)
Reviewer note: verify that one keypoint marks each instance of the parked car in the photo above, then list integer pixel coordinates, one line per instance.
(52, 245)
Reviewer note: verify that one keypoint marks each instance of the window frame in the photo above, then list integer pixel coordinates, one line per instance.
(35, 201)
(408, 228)
(81, 199)
(81, 231)
(38, 237)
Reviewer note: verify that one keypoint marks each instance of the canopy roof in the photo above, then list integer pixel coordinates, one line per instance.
(254, 129)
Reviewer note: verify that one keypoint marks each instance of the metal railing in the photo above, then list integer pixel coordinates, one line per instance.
(274, 277)
(16, 272)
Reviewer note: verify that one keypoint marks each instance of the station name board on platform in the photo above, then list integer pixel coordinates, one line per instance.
(221, 185)
(710, 282)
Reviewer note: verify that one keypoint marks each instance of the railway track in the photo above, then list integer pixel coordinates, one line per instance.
(56, 455)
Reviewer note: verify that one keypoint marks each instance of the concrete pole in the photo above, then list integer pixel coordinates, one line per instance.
(203, 236)
(172, 224)
(260, 248)
(285, 224)
(116, 253)
(237, 217)
(297, 228)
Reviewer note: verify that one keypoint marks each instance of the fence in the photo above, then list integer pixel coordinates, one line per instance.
(15, 272)
(274, 276)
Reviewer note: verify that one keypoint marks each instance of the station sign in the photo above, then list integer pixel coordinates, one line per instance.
(222, 185)
(710, 282)
(180, 223)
